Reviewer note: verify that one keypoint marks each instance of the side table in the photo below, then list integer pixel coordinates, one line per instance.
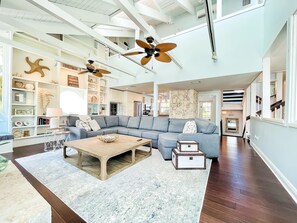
(55, 138)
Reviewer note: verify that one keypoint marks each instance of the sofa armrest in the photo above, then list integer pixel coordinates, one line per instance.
(76, 133)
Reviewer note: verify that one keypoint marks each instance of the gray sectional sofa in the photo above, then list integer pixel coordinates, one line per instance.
(164, 132)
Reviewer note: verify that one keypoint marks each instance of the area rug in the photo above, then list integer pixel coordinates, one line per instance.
(19, 201)
(150, 191)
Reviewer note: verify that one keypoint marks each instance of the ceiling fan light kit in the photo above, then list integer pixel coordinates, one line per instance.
(158, 51)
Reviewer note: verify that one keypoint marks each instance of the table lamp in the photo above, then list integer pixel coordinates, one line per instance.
(54, 114)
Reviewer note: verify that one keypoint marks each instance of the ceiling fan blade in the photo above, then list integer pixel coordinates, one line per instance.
(83, 72)
(132, 53)
(143, 44)
(102, 71)
(145, 60)
(163, 57)
(97, 74)
(164, 47)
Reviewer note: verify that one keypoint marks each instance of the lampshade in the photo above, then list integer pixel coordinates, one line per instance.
(53, 112)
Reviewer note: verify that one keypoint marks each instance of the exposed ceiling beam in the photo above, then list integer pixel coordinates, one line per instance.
(92, 17)
(55, 42)
(186, 5)
(115, 32)
(152, 13)
(147, 11)
(66, 17)
(37, 51)
(83, 15)
(23, 14)
(21, 26)
(132, 13)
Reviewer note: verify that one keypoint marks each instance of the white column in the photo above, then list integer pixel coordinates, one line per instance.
(219, 8)
(291, 75)
(253, 99)
(266, 113)
(156, 96)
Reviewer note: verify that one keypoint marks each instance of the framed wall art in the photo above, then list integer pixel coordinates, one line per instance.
(73, 81)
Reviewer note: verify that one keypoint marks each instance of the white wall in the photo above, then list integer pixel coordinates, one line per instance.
(231, 6)
(239, 45)
(276, 14)
(20, 65)
(276, 144)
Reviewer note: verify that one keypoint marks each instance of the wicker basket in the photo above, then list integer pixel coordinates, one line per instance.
(108, 138)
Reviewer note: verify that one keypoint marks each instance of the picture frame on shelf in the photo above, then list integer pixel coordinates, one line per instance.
(18, 97)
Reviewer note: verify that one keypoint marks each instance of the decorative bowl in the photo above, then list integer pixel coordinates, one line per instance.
(108, 138)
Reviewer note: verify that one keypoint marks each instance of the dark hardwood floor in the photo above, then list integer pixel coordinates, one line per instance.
(241, 188)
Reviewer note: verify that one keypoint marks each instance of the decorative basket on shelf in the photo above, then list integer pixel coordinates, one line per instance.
(108, 138)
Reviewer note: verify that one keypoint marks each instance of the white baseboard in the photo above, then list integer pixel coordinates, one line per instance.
(279, 175)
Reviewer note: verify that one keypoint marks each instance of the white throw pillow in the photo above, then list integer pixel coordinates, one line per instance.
(85, 118)
(83, 125)
(190, 127)
(94, 125)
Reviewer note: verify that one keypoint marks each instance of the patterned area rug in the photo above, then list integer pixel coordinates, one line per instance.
(149, 191)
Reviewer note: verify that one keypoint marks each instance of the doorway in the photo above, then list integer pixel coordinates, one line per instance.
(137, 108)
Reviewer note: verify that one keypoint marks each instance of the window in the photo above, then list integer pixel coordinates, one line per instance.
(206, 110)
(73, 100)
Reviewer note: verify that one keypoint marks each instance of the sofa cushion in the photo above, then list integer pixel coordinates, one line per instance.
(123, 120)
(72, 120)
(146, 122)
(94, 133)
(123, 131)
(109, 131)
(160, 124)
(135, 132)
(133, 122)
(151, 134)
(176, 125)
(111, 121)
(168, 139)
(205, 126)
(101, 121)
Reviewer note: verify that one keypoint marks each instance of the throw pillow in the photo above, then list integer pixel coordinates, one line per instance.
(84, 118)
(83, 125)
(190, 127)
(94, 125)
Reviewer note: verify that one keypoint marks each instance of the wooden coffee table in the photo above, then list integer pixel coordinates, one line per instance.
(104, 151)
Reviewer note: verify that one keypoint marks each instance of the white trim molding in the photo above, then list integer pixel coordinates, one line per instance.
(282, 179)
